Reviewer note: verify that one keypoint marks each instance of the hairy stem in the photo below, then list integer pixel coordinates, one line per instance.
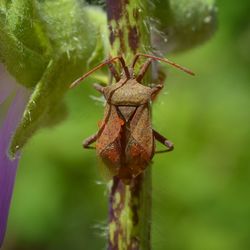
(129, 205)
(130, 214)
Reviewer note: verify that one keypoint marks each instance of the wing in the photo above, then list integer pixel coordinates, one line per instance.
(108, 144)
(140, 147)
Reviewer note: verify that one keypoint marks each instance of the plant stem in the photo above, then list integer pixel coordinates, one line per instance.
(129, 205)
(130, 214)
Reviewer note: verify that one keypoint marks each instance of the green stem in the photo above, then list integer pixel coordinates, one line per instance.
(130, 214)
(129, 205)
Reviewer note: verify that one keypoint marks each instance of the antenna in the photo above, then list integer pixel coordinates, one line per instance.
(120, 58)
(162, 60)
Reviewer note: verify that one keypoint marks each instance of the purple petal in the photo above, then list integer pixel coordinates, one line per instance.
(8, 167)
(7, 84)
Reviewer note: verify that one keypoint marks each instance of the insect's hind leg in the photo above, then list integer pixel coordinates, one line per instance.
(164, 141)
(88, 141)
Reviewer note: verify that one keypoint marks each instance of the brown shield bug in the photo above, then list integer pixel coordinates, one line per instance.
(125, 140)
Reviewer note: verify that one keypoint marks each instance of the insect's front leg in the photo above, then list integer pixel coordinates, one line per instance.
(164, 141)
(88, 141)
(159, 86)
(99, 87)
(155, 90)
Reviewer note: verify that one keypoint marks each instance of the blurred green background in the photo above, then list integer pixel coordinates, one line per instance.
(200, 190)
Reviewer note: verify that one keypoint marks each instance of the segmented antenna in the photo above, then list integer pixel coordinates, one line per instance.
(120, 58)
(162, 60)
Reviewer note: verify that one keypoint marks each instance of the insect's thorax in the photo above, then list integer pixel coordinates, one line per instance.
(129, 93)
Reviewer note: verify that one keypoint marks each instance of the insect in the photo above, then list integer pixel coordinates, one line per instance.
(125, 140)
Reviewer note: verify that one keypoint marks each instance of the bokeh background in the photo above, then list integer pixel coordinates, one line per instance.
(200, 190)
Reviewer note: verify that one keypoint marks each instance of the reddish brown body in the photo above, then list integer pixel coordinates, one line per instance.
(126, 141)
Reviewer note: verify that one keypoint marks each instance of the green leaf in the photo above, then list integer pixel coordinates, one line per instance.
(46, 98)
(23, 63)
(74, 41)
(24, 22)
(67, 26)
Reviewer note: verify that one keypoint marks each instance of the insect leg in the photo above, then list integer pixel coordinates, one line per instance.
(88, 141)
(164, 141)
(124, 66)
(159, 84)
(91, 139)
(143, 70)
(155, 90)
(135, 60)
(113, 71)
(99, 87)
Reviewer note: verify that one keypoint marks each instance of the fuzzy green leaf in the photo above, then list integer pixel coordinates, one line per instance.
(23, 63)
(72, 38)
(45, 100)
(24, 22)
